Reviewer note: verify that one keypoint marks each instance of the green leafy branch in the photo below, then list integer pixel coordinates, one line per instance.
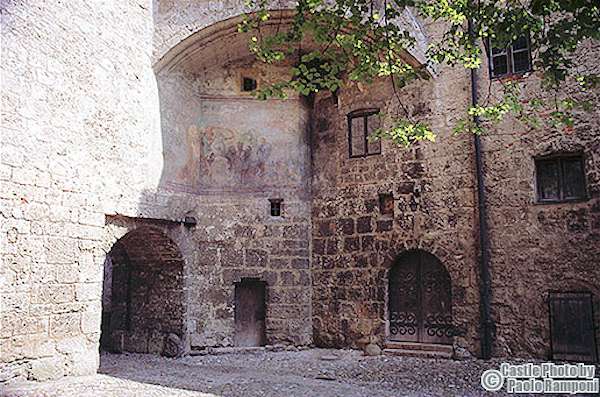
(334, 42)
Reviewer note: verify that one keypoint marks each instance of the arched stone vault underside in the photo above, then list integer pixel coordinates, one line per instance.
(220, 41)
(143, 299)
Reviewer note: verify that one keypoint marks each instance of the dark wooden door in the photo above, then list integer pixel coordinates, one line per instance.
(420, 300)
(572, 327)
(250, 313)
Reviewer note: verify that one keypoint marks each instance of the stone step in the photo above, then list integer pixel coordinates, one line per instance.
(419, 346)
(418, 353)
(413, 349)
(225, 350)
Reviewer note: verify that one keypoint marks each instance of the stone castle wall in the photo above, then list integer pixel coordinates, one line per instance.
(226, 155)
(101, 111)
(354, 244)
(80, 139)
(540, 248)
(85, 137)
(536, 249)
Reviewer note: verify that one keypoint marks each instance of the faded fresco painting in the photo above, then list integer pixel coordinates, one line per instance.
(243, 146)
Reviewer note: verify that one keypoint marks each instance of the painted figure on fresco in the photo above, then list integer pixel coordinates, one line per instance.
(221, 156)
(236, 160)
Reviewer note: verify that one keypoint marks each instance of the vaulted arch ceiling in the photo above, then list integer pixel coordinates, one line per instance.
(220, 43)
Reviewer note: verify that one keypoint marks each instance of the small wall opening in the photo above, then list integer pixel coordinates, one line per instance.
(250, 312)
(386, 204)
(143, 299)
(248, 84)
(276, 207)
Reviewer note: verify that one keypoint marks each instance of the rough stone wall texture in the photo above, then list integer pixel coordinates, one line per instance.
(226, 155)
(87, 131)
(80, 138)
(354, 245)
(540, 248)
(535, 249)
(147, 293)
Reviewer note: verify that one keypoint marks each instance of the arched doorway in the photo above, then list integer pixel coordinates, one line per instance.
(420, 299)
(143, 307)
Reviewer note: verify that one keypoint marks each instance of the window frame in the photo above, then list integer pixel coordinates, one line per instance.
(365, 114)
(508, 51)
(278, 204)
(252, 81)
(559, 159)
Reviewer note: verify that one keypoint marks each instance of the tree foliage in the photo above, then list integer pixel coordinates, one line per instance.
(361, 40)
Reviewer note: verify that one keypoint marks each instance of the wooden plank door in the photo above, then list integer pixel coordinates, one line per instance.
(572, 327)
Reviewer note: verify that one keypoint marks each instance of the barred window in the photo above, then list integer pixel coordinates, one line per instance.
(361, 124)
(510, 60)
(560, 178)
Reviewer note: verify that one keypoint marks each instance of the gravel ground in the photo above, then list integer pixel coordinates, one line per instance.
(316, 372)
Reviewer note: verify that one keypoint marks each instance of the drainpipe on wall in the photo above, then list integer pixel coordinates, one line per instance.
(487, 324)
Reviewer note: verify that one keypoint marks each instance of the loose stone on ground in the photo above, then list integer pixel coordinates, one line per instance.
(314, 372)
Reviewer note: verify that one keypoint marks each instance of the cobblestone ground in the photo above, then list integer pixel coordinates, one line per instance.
(309, 373)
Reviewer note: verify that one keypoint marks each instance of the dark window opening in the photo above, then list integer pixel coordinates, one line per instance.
(361, 124)
(248, 84)
(560, 179)
(275, 206)
(386, 204)
(510, 60)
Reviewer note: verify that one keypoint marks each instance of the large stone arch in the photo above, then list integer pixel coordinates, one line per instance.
(144, 301)
(201, 96)
(180, 28)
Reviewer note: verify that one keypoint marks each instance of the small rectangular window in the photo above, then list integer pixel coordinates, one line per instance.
(514, 59)
(275, 206)
(560, 178)
(248, 84)
(361, 124)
